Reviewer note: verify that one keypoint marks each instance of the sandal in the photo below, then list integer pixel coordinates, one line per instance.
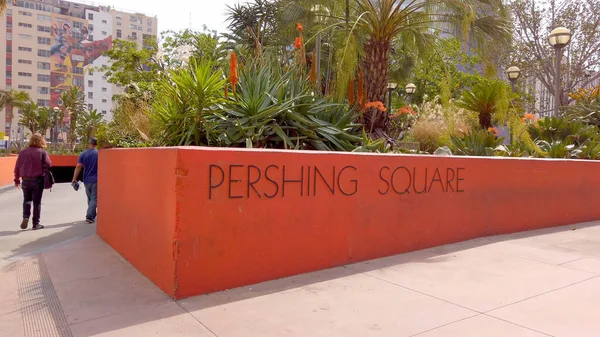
(38, 226)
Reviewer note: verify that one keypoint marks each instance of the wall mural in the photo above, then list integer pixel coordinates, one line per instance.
(71, 54)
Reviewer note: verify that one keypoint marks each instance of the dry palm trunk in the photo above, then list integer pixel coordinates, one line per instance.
(376, 65)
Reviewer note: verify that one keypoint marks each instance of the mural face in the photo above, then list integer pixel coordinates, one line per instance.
(71, 53)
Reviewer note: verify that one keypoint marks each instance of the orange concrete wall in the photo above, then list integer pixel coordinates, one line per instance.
(7, 169)
(245, 216)
(137, 210)
(64, 161)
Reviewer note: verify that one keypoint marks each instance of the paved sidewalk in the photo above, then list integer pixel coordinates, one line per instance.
(65, 281)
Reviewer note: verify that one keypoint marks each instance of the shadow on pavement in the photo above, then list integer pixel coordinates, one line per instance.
(73, 231)
(19, 231)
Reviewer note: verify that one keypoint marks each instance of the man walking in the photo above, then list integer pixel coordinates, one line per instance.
(88, 161)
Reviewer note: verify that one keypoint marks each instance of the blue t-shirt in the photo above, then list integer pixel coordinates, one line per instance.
(89, 160)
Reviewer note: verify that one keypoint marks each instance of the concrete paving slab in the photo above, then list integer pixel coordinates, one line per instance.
(86, 299)
(94, 261)
(479, 326)
(478, 279)
(569, 312)
(162, 319)
(335, 302)
(585, 264)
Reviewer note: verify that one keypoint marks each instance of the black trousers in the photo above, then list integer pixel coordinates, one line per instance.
(33, 190)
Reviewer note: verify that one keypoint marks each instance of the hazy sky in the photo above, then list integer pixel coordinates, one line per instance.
(175, 14)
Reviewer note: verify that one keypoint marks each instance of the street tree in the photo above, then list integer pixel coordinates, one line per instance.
(534, 20)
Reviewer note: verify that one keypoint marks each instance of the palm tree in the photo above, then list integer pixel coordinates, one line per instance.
(88, 123)
(484, 99)
(252, 25)
(36, 118)
(3, 4)
(384, 20)
(10, 99)
(29, 116)
(73, 104)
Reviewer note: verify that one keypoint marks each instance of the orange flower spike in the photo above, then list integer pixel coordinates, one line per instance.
(233, 72)
(298, 43)
(351, 92)
(299, 27)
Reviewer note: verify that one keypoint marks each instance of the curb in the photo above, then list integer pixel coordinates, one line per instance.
(6, 188)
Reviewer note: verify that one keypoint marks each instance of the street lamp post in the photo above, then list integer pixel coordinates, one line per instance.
(513, 74)
(410, 90)
(391, 87)
(559, 38)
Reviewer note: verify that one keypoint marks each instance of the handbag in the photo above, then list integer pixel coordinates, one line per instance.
(47, 175)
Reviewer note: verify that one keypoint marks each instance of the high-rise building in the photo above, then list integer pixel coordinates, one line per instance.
(53, 44)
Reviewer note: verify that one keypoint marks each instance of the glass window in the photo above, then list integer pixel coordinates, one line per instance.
(25, 36)
(8, 24)
(45, 29)
(78, 82)
(118, 33)
(24, 61)
(44, 17)
(43, 78)
(104, 22)
(104, 78)
(9, 36)
(43, 53)
(133, 18)
(132, 26)
(43, 102)
(90, 84)
(44, 65)
(26, 87)
(24, 74)
(9, 48)
(104, 89)
(8, 74)
(149, 30)
(90, 16)
(90, 95)
(90, 27)
(90, 107)
(25, 25)
(77, 70)
(43, 90)
(25, 49)
(44, 40)
(9, 12)
(119, 23)
(91, 37)
(9, 62)
(149, 22)
(25, 13)
(104, 112)
(104, 33)
(139, 27)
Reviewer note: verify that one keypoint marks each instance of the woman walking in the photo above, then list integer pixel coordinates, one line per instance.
(31, 165)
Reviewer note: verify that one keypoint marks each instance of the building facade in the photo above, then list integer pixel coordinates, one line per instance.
(53, 44)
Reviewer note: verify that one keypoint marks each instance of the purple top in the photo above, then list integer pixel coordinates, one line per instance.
(29, 163)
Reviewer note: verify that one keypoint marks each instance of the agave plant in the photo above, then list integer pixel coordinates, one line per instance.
(277, 109)
(477, 143)
(560, 129)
